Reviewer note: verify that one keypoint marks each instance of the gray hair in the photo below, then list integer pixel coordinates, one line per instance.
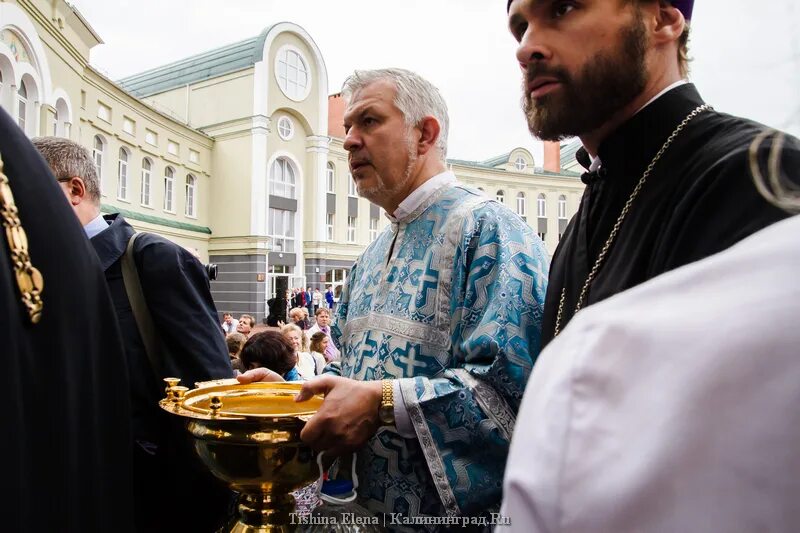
(68, 159)
(416, 97)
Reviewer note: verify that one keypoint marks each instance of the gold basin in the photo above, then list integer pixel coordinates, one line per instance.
(249, 437)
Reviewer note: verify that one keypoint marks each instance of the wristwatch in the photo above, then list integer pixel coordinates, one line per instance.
(386, 410)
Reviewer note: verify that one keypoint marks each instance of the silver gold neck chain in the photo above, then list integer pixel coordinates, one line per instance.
(625, 209)
(29, 279)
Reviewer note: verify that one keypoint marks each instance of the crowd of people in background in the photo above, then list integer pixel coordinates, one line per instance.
(312, 347)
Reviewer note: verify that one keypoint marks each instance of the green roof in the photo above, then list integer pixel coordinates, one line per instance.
(568, 151)
(538, 172)
(497, 161)
(568, 173)
(134, 215)
(216, 62)
(478, 164)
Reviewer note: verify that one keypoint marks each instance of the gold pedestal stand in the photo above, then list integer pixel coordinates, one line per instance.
(249, 437)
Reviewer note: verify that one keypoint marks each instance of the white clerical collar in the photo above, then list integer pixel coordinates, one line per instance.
(596, 160)
(95, 226)
(418, 195)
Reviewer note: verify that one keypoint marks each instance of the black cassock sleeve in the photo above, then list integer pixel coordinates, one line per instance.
(723, 205)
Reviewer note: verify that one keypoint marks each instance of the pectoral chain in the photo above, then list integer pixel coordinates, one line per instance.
(29, 280)
(625, 209)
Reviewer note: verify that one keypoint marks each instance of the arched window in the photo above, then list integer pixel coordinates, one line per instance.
(293, 74)
(122, 175)
(22, 101)
(147, 168)
(285, 128)
(169, 189)
(61, 119)
(562, 207)
(282, 180)
(522, 204)
(330, 177)
(520, 164)
(500, 196)
(98, 152)
(541, 206)
(191, 196)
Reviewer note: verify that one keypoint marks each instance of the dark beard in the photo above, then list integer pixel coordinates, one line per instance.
(605, 85)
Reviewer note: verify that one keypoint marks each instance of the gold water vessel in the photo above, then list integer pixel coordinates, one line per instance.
(249, 437)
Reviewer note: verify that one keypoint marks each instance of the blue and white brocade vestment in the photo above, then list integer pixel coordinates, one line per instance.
(455, 314)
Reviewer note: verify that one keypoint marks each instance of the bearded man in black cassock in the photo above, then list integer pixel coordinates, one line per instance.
(669, 179)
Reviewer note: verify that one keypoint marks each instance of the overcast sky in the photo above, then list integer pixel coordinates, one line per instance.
(746, 54)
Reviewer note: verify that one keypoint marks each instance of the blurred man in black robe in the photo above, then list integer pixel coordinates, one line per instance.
(172, 489)
(66, 457)
(668, 179)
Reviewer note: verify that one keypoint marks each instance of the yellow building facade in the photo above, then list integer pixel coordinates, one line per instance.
(229, 153)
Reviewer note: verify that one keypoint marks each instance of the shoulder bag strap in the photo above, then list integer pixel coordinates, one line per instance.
(144, 321)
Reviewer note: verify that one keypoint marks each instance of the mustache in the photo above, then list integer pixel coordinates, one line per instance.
(536, 70)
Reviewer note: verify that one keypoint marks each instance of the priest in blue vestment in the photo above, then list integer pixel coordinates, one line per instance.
(439, 321)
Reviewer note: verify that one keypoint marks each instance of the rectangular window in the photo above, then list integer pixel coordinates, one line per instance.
(329, 226)
(280, 227)
(522, 205)
(373, 229)
(104, 112)
(128, 126)
(22, 113)
(191, 188)
(83, 99)
(97, 156)
(330, 179)
(194, 156)
(542, 236)
(122, 180)
(172, 147)
(351, 186)
(169, 189)
(351, 229)
(145, 196)
(150, 138)
(562, 209)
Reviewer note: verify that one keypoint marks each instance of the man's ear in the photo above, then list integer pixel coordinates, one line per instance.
(77, 191)
(429, 133)
(669, 24)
